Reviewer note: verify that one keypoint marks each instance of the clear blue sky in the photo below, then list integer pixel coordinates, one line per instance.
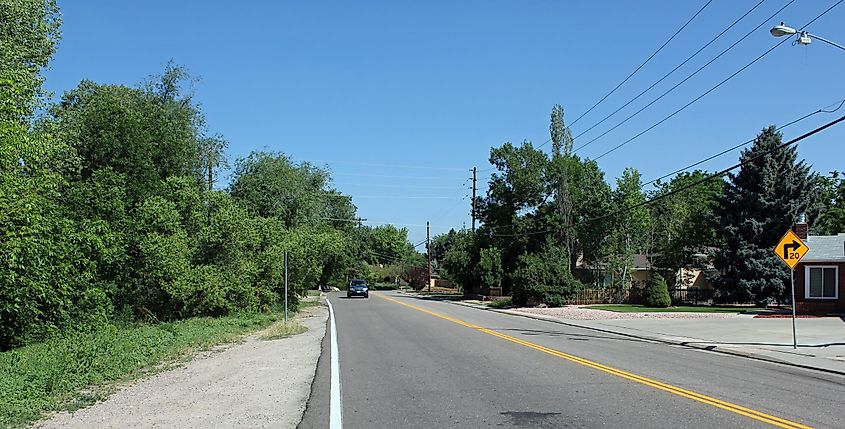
(424, 89)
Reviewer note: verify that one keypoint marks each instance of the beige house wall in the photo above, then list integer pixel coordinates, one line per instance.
(687, 278)
(692, 278)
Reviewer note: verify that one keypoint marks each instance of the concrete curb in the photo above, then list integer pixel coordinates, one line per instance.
(710, 347)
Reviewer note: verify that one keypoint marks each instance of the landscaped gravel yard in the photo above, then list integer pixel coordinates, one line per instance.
(578, 312)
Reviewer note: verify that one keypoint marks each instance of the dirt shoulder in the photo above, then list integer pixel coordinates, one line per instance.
(256, 383)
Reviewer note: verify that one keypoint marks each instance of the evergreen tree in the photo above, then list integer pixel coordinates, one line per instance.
(758, 206)
(657, 292)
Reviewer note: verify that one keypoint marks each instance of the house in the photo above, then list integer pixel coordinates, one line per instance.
(820, 276)
(684, 279)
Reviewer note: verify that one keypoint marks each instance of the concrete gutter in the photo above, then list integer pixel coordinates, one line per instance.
(765, 355)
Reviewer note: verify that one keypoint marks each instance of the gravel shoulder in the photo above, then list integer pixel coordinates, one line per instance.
(256, 383)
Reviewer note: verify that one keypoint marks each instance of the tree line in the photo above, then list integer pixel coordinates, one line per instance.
(551, 224)
(110, 214)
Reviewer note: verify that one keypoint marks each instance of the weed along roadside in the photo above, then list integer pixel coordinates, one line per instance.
(68, 374)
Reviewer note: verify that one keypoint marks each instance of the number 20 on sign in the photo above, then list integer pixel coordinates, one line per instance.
(790, 249)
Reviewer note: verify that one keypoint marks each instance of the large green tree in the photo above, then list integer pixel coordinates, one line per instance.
(681, 231)
(386, 244)
(148, 134)
(630, 223)
(831, 220)
(272, 184)
(592, 206)
(460, 257)
(759, 204)
(28, 37)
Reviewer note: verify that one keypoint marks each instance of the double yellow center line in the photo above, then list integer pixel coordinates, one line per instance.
(734, 408)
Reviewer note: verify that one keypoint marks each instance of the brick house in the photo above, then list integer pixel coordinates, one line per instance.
(820, 277)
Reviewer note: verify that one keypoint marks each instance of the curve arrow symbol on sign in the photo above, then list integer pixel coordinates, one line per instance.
(794, 246)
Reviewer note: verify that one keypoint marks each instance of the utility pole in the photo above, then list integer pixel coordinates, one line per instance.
(286, 286)
(474, 171)
(428, 252)
(210, 170)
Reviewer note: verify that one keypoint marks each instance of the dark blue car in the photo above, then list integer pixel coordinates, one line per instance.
(358, 288)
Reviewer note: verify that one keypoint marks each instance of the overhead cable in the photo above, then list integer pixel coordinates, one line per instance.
(747, 142)
(694, 54)
(667, 92)
(689, 186)
(644, 62)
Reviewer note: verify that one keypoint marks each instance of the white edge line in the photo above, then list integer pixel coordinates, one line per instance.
(336, 403)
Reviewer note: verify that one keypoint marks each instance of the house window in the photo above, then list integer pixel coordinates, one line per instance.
(822, 282)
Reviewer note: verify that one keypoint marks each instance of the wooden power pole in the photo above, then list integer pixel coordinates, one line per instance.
(428, 251)
(474, 171)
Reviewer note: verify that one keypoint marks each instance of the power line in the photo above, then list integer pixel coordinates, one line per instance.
(695, 164)
(382, 185)
(643, 64)
(691, 185)
(719, 35)
(731, 168)
(684, 81)
(409, 197)
(374, 164)
(415, 197)
(839, 104)
(395, 259)
(376, 222)
(714, 88)
(388, 176)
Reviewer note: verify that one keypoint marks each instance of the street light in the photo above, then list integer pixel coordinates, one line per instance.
(804, 38)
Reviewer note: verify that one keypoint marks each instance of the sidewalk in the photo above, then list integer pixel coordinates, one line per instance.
(821, 341)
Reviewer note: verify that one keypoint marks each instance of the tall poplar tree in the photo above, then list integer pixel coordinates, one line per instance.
(561, 139)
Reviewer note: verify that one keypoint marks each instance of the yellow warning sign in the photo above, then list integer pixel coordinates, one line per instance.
(790, 249)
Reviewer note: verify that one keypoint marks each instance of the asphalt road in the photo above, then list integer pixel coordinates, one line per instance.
(407, 362)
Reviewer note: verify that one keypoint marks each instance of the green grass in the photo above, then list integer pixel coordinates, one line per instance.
(282, 329)
(634, 308)
(76, 371)
(442, 295)
(313, 293)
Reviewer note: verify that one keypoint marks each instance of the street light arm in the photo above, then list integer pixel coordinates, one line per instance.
(830, 42)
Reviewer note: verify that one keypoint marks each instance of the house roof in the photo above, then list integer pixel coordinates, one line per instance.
(642, 262)
(825, 248)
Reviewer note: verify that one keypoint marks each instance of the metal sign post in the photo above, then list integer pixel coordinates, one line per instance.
(794, 336)
(286, 286)
(790, 249)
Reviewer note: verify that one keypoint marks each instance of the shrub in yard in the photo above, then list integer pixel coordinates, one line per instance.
(501, 303)
(490, 267)
(544, 277)
(657, 292)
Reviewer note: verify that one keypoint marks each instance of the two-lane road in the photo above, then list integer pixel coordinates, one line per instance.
(408, 362)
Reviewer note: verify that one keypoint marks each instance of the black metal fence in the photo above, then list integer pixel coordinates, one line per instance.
(634, 295)
(691, 296)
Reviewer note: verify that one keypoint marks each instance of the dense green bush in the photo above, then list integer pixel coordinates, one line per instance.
(544, 277)
(501, 303)
(490, 267)
(657, 292)
(460, 258)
